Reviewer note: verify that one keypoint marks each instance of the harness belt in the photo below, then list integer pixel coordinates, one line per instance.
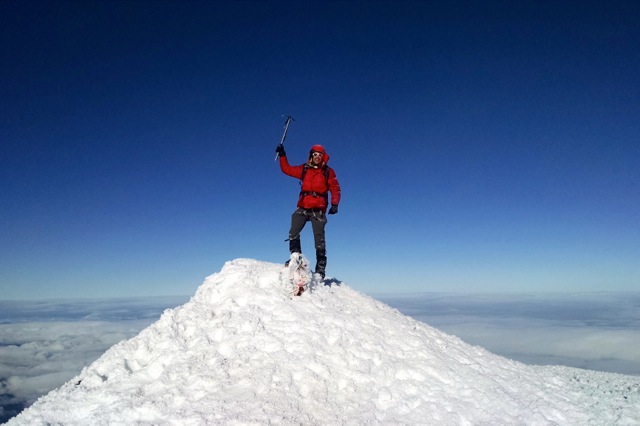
(324, 195)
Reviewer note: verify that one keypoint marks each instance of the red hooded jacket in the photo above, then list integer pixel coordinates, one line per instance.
(315, 185)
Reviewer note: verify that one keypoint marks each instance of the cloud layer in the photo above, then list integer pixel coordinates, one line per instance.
(45, 344)
(596, 331)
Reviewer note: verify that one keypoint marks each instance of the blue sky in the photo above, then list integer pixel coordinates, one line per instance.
(481, 146)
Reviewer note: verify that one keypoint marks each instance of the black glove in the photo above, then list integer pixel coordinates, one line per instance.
(333, 209)
(280, 151)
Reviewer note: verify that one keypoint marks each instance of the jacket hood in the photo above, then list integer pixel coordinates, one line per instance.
(319, 148)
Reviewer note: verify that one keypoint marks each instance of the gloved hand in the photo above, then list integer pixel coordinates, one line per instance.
(280, 151)
(333, 209)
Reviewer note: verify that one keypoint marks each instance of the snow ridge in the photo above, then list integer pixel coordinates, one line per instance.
(243, 351)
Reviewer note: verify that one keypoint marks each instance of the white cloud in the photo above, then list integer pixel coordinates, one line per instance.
(592, 331)
(43, 344)
(576, 346)
(38, 357)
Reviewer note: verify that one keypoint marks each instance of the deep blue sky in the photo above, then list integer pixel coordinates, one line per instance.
(481, 146)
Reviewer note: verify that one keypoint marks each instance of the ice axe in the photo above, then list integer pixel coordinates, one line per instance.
(284, 135)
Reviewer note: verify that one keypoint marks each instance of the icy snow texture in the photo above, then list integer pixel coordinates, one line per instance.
(243, 351)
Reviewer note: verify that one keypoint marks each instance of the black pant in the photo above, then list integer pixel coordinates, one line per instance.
(299, 218)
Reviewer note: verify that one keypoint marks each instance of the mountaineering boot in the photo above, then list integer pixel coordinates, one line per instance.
(321, 262)
(294, 246)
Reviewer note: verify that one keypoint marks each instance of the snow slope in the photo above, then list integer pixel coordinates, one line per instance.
(243, 351)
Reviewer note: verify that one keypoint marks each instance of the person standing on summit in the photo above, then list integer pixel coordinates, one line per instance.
(317, 180)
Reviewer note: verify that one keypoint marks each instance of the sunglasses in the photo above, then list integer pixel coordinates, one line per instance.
(317, 154)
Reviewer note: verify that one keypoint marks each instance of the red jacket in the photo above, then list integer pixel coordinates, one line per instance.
(315, 186)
